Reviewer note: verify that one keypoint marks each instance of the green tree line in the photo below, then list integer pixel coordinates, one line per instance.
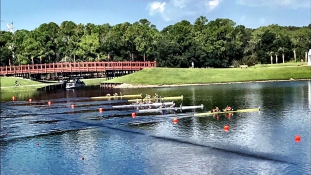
(217, 43)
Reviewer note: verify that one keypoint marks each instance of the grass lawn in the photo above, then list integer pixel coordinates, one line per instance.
(8, 83)
(169, 76)
(93, 81)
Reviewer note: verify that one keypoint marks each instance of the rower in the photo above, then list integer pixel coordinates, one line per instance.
(163, 106)
(155, 95)
(173, 105)
(216, 109)
(228, 108)
(147, 96)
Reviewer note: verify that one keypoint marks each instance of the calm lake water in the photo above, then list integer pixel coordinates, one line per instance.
(40, 139)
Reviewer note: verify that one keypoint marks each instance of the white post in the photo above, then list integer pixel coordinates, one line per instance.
(309, 58)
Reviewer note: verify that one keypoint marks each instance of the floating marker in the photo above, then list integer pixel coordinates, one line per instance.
(175, 120)
(38, 144)
(30, 100)
(72, 106)
(297, 138)
(6, 134)
(133, 115)
(82, 158)
(226, 128)
(49, 103)
(100, 109)
(13, 98)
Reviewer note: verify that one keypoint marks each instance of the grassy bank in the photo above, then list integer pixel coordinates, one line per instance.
(8, 84)
(169, 76)
(93, 81)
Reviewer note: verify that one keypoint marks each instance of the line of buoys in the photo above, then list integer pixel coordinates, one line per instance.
(13, 98)
(100, 109)
(133, 115)
(297, 138)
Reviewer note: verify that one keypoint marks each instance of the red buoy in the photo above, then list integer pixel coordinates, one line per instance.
(38, 144)
(133, 115)
(226, 128)
(82, 158)
(297, 138)
(100, 109)
(72, 106)
(49, 103)
(30, 100)
(175, 120)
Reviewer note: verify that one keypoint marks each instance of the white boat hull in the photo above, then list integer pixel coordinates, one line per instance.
(173, 108)
(142, 105)
(74, 85)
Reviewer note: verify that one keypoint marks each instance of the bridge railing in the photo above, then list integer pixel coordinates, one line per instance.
(75, 67)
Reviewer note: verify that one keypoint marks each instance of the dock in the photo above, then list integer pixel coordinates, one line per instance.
(109, 85)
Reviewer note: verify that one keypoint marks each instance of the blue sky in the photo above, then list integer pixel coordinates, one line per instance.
(29, 14)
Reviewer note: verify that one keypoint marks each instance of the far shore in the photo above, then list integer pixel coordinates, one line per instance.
(175, 77)
(125, 85)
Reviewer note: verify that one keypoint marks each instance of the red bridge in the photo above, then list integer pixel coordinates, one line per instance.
(75, 67)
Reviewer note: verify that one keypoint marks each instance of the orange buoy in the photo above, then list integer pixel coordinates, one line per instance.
(226, 128)
(175, 120)
(30, 100)
(72, 106)
(297, 138)
(133, 115)
(100, 109)
(13, 98)
(49, 103)
(82, 158)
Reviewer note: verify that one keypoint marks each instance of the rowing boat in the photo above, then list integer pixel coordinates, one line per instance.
(142, 105)
(170, 108)
(225, 112)
(118, 96)
(158, 98)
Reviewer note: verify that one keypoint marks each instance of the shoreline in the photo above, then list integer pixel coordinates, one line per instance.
(130, 86)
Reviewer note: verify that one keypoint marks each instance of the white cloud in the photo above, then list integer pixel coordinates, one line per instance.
(179, 9)
(213, 4)
(180, 3)
(291, 4)
(156, 7)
